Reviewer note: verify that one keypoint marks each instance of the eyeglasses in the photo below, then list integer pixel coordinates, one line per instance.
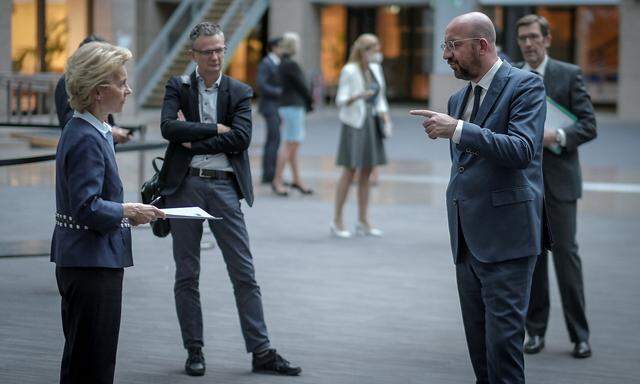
(534, 37)
(452, 44)
(209, 52)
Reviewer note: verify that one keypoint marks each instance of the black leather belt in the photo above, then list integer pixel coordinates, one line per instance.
(210, 173)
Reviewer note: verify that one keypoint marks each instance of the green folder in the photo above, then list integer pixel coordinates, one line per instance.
(558, 117)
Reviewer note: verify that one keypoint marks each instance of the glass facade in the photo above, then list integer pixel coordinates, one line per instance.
(43, 35)
(587, 36)
(405, 35)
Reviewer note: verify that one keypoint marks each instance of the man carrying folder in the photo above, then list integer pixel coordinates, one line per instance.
(574, 124)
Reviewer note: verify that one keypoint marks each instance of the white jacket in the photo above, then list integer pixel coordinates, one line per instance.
(352, 83)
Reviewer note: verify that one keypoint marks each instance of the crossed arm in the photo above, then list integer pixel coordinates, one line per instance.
(203, 138)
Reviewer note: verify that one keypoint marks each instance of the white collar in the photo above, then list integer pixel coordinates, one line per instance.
(100, 126)
(486, 80)
(201, 80)
(542, 68)
(275, 58)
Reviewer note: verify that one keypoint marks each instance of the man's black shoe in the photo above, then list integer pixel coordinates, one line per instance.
(195, 365)
(581, 350)
(272, 362)
(534, 345)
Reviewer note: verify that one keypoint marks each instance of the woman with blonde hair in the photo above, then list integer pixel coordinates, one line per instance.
(363, 111)
(295, 101)
(91, 242)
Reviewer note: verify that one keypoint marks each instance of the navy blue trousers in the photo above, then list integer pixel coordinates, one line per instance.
(494, 298)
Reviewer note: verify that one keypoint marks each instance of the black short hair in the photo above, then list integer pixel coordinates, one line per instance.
(273, 42)
(91, 38)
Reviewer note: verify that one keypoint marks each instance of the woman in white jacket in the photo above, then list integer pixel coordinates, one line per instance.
(365, 122)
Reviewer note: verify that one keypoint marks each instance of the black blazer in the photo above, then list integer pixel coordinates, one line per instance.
(564, 84)
(295, 91)
(233, 110)
(269, 86)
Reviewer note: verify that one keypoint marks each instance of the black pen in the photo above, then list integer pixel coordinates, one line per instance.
(157, 199)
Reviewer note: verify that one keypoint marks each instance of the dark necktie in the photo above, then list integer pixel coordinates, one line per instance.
(476, 102)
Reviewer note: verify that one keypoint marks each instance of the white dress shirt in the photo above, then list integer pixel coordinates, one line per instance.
(541, 69)
(484, 83)
(100, 126)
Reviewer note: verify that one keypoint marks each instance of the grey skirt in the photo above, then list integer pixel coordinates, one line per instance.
(361, 147)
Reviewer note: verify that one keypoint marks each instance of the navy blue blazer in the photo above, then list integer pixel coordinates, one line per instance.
(89, 231)
(495, 193)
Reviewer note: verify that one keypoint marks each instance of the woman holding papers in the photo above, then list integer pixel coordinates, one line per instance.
(91, 242)
(365, 122)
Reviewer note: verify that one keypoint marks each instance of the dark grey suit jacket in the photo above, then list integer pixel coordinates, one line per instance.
(495, 193)
(269, 87)
(233, 110)
(564, 84)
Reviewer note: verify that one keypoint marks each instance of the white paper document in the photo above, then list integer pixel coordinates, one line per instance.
(188, 213)
(557, 118)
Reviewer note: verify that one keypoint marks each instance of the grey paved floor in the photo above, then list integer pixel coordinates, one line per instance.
(355, 311)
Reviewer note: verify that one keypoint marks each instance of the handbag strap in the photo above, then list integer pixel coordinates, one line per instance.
(155, 166)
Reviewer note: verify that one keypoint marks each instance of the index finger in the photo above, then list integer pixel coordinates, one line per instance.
(422, 112)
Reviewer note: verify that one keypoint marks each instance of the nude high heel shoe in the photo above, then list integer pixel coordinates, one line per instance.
(340, 233)
(366, 230)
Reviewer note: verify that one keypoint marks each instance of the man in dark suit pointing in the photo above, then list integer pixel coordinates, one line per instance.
(495, 193)
(563, 187)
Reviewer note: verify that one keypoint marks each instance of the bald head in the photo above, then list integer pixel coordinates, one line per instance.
(470, 45)
(475, 24)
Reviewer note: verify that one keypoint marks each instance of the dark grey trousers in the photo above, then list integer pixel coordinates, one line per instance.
(271, 145)
(562, 221)
(220, 199)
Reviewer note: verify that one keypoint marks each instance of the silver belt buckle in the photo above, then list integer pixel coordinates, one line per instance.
(201, 173)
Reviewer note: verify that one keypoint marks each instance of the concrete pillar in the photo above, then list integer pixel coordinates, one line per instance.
(116, 21)
(5, 53)
(443, 83)
(628, 75)
(302, 17)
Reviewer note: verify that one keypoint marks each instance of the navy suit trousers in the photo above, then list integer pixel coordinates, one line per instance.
(494, 298)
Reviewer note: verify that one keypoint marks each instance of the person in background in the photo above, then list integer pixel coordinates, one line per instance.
(65, 113)
(270, 89)
(295, 101)
(91, 242)
(562, 188)
(363, 108)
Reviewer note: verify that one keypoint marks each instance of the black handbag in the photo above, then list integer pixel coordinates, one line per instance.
(379, 122)
(151, 192)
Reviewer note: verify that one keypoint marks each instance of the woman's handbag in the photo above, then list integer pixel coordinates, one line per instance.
(152, 193)
(384, 130)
